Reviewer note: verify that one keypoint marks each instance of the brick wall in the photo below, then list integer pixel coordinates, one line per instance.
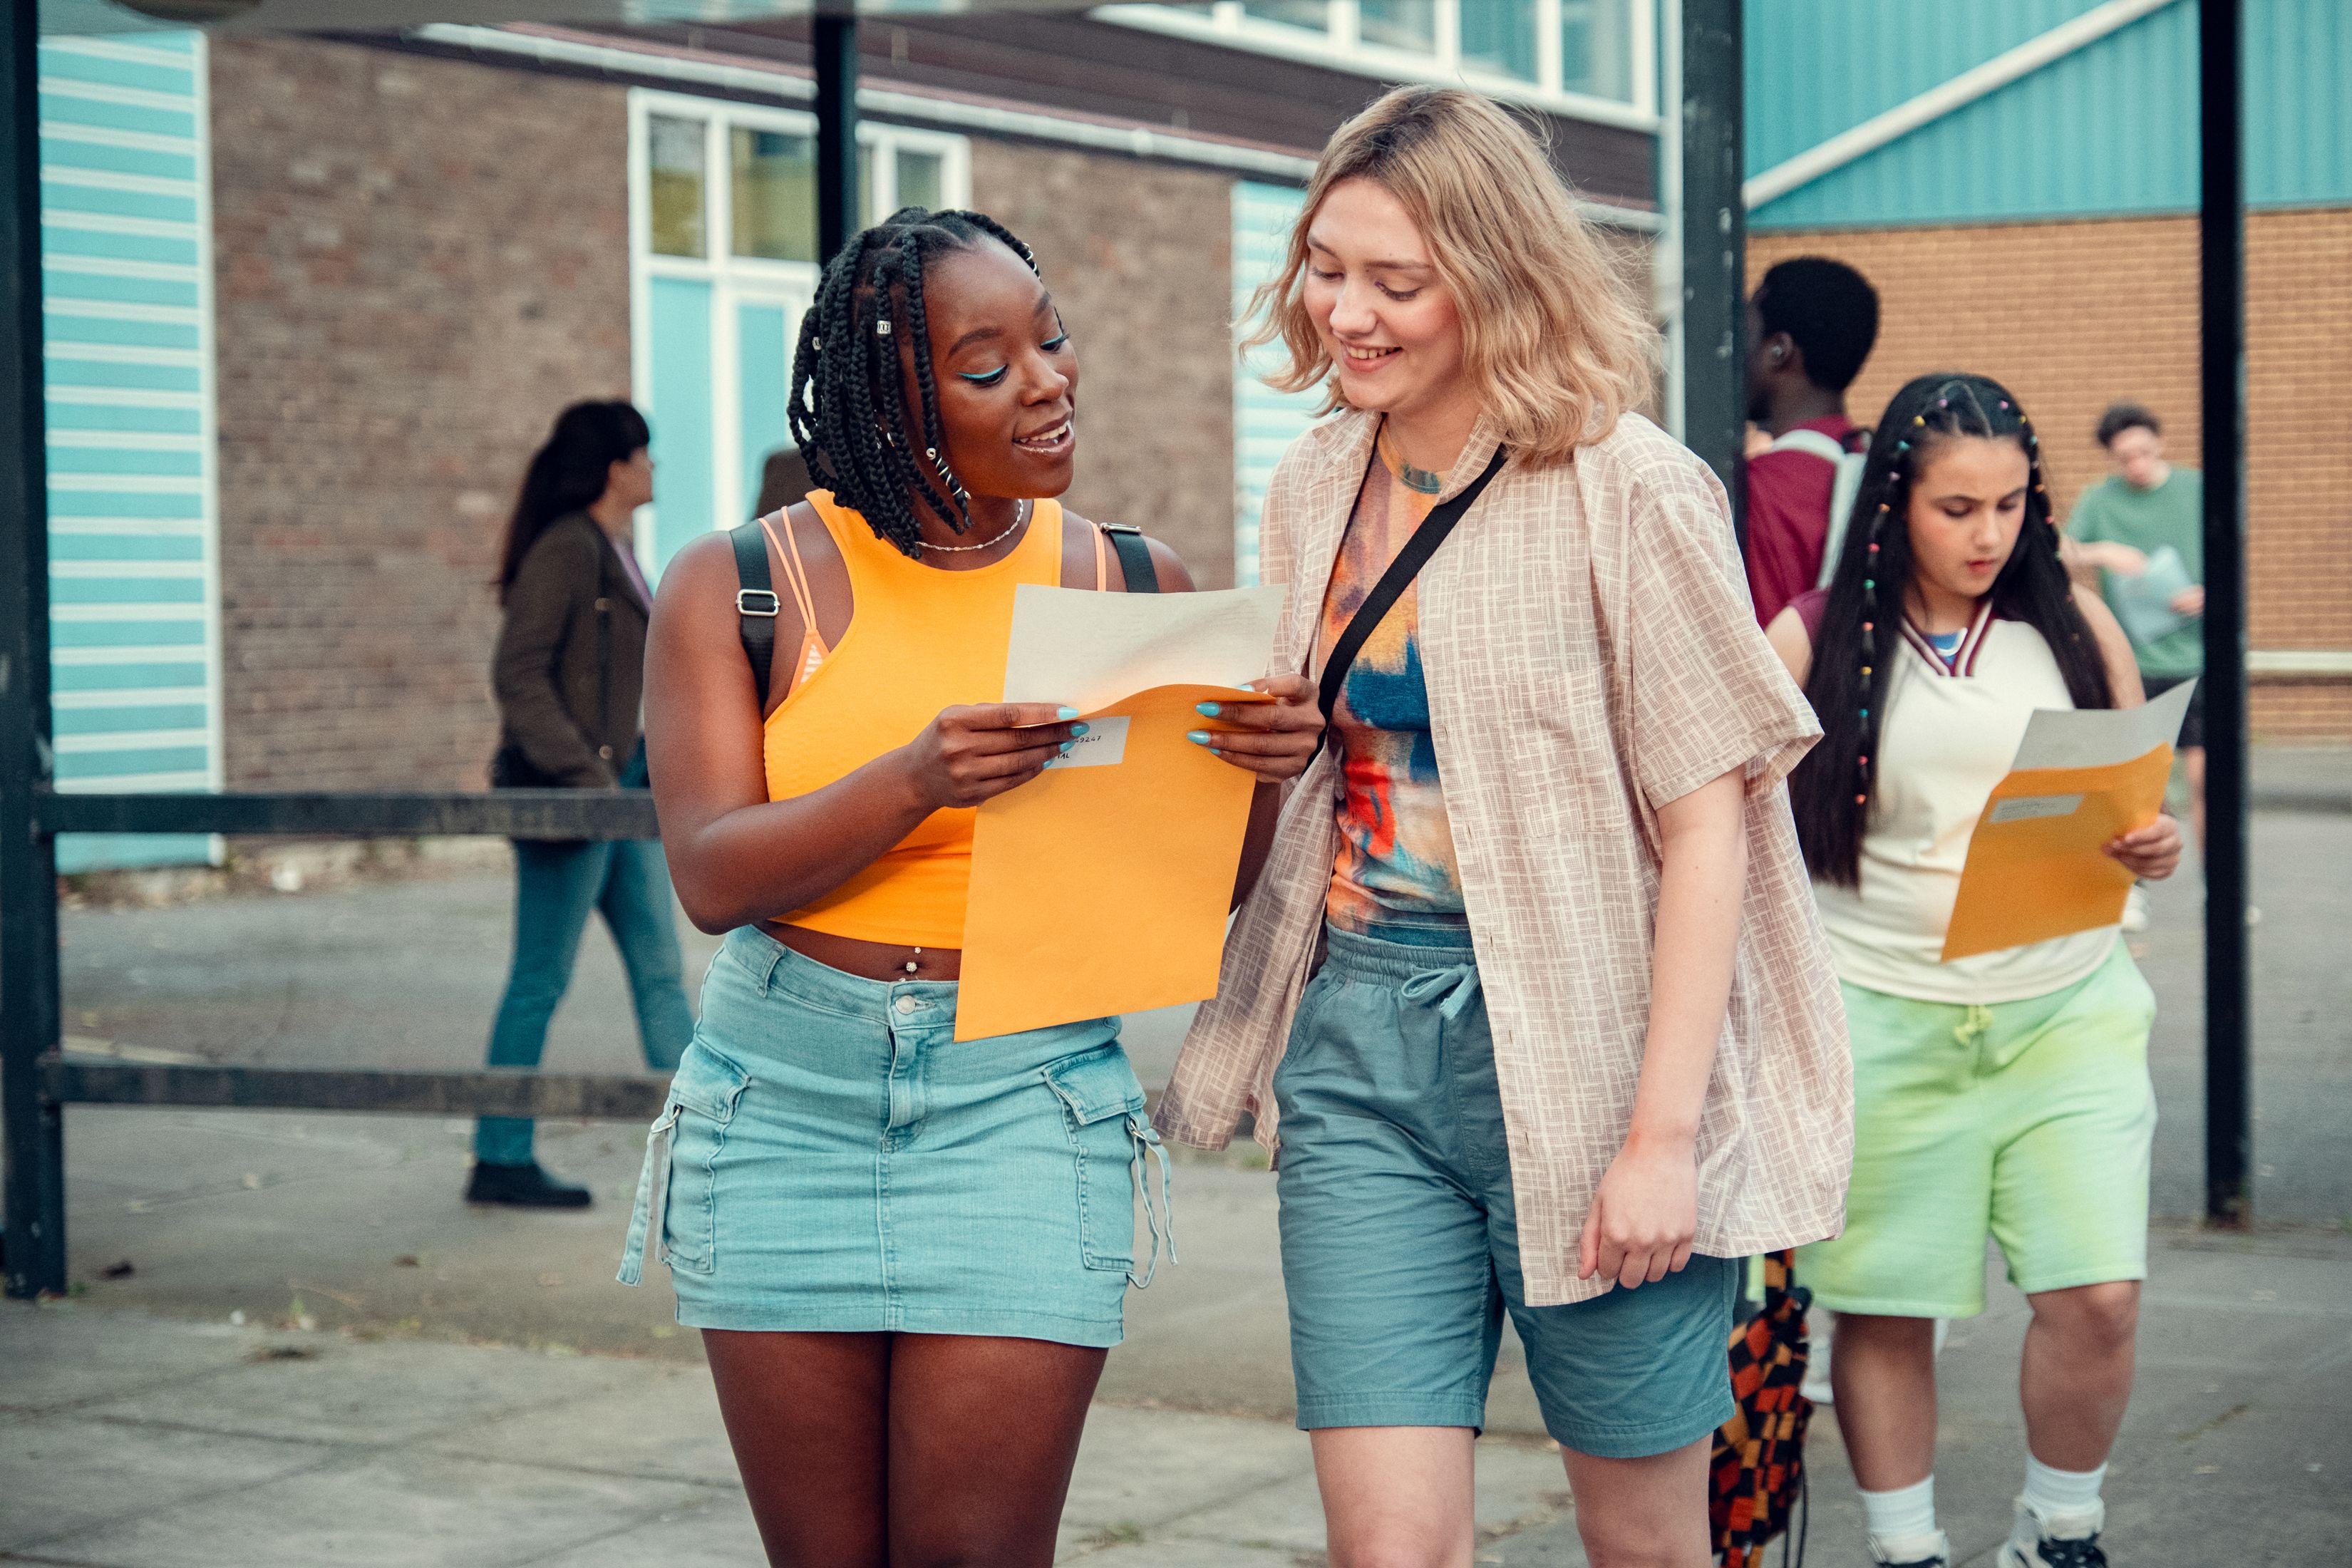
(1139, 258)
(419, 262)
(2074, 316)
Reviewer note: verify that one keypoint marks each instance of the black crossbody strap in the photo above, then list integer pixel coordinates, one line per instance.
(1402, 572)
(755, 602)
(1134, 558)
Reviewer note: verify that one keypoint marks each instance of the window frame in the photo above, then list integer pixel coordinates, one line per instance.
(735, 280)
(1341, 47)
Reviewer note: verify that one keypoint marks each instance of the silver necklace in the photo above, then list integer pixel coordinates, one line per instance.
(1019, 516)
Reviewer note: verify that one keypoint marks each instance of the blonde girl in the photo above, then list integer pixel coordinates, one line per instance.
(1527, 981)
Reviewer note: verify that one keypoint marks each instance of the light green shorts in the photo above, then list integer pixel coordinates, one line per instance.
(2030, 1122)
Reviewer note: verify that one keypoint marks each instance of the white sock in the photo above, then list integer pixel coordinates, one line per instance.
(2060, 1494)
(1904, 1514)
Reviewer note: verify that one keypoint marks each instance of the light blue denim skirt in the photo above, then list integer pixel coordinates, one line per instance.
(831, 1160)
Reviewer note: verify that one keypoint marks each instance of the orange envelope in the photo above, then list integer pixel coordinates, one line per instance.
(1102, 887)
(2034, 868)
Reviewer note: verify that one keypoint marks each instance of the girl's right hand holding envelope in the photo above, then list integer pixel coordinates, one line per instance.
(1275, 740)
(2150, 852)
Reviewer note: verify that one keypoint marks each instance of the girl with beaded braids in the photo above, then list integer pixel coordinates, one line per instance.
(2005, 1094)
(905, 1296)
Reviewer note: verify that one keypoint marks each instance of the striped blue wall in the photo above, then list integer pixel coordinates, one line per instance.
(1264, 421)
(2107, 131)
(133, 577)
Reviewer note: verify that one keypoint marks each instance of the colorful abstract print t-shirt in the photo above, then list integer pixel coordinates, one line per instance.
(1395, 875)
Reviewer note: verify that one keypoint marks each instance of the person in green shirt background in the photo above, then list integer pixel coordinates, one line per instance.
(2143, 527)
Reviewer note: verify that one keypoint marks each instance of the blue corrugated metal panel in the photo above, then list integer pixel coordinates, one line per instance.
(1264, 421)
(1815, 68)
(2298, 129)
(134, 624)
(2108, 130)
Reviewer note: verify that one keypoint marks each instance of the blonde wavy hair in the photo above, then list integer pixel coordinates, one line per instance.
(1551, 332)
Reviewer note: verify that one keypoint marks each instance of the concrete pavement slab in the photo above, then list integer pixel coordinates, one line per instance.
(654, 1418)
(1141, 1469)
(60, 1358)
(398, 1509)
(70, 1474)
(327, 1389)
(1191, 1554)
(716, 1532)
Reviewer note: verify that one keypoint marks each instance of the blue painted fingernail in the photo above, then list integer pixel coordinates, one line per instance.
(1078, 729)
(1208, 710)
(1198, 737)
(1068, 713)
(1066, 747)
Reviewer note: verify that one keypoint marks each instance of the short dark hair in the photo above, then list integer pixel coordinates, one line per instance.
(2122, 417)
(1828, 310)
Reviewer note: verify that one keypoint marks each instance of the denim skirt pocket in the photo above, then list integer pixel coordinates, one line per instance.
(703, 1097)
(1102, 1109)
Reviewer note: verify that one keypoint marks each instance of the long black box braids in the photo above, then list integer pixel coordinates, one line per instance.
(846, 410)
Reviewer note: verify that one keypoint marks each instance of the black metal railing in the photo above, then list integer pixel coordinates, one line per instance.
(40, 1080)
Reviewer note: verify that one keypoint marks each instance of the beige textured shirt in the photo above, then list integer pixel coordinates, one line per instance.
(1591, 655)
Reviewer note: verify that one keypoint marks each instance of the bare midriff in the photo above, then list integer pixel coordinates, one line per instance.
(870, 960)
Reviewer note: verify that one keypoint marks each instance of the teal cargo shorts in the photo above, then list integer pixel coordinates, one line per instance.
(1399, 1245)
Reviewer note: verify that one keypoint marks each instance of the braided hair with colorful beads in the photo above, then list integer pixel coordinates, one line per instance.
(1855, 655)
(847, 408)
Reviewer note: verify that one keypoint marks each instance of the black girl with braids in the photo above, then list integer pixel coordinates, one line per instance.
(905, 1297)
(1999, 1094)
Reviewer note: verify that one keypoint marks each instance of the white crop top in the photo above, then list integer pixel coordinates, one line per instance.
(1946, 738)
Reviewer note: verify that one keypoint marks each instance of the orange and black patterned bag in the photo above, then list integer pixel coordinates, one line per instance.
(1756, 1476)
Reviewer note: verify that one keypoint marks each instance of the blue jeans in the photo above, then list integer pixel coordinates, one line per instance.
(556, 887)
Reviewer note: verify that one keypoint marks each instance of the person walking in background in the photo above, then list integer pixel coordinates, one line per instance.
(2005, 1094)
(568, 673)
(2143, 528)
(783, 481)
(1573, 1049)
(1811, 326)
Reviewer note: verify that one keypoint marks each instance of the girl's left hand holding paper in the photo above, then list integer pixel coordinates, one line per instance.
(1275, 740)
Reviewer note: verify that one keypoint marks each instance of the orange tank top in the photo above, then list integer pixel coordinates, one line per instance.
(920, 639)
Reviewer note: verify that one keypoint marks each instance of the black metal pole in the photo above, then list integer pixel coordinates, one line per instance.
(836, 132)
(1715, 245)
(2221, 303)
(32, 1126)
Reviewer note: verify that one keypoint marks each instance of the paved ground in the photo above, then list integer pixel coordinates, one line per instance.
(135, 1440)
(415, 1382)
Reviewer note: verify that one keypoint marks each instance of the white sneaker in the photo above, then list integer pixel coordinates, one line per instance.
(2067, 1541)
(1930, 1550)
(2136, 909)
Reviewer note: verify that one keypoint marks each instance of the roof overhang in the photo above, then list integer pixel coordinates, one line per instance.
(89, 17)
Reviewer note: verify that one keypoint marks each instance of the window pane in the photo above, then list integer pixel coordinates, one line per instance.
(1399, 24)
(1596, 53)
(674, 162)
(921, 177)
(1500, 35)
(775, 195)
(1314, 14)
(867, 217)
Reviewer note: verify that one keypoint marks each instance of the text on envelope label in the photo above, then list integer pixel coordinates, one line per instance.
(2026, 807)
(1104, 745)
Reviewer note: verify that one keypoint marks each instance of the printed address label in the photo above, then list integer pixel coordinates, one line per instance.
(2026, 807)
(1104, 745)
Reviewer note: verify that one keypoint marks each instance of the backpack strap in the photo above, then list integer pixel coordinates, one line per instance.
(756, 604)
(1134, 557)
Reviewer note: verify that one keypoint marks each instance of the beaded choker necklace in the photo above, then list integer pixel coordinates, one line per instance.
(1019, 516)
